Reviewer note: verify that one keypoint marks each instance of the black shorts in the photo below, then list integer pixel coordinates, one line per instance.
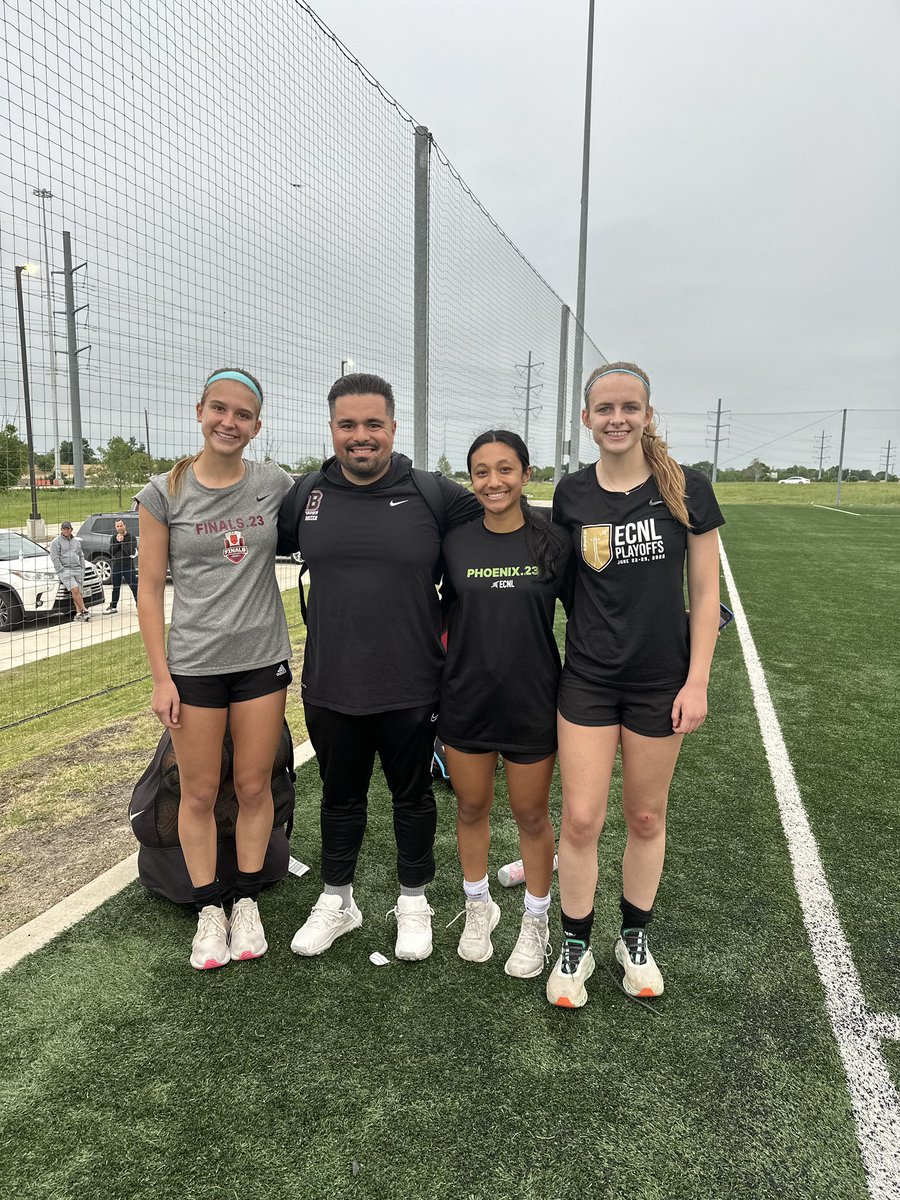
(648, 713)
(513, 756)
(218, 691)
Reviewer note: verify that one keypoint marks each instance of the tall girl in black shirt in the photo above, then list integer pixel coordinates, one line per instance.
(633, 678)
(499, 688)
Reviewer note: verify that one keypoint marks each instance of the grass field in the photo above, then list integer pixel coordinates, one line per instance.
(62, 504)
(58, 504)
(61, 765)
(124, 1074)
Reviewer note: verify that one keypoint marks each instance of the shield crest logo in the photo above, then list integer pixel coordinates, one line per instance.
(235, 547)
(595, 546)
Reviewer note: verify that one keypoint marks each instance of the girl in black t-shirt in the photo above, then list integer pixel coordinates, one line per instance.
(636, 669)
(498, 695)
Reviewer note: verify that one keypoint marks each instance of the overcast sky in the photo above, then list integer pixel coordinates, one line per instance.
(745, 179)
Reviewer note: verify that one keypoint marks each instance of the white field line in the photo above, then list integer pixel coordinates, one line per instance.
(831, 508)
(62, 916)
(858, 1032)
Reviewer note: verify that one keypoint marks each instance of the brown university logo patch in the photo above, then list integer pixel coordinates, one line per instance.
(595, 546)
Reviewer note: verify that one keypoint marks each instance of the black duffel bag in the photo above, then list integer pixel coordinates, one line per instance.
(154, 821)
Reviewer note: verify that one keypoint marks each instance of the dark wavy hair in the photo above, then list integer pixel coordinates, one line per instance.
(545, 541)
(360, 384)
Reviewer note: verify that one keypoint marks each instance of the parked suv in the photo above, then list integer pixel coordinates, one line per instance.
(30, 587)
(95, 534)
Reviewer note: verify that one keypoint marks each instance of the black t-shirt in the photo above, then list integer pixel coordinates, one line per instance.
(374, 553)
(502, 669)
(627, 625)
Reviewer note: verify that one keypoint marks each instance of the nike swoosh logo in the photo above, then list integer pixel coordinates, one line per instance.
(434, 717)
(258, 498)
(137, 814)
(394, 503)
(656, 502)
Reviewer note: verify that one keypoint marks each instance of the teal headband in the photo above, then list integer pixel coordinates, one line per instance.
(238, 377)
(615, 371)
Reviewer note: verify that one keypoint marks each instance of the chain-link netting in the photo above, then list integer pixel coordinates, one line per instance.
(235, 190)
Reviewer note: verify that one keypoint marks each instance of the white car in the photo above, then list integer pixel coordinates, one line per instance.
(795, 479)
(29, 586)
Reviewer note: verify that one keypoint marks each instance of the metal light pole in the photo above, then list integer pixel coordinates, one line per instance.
(35, 524)
(347, 365)
(44, 194)
(577, 381)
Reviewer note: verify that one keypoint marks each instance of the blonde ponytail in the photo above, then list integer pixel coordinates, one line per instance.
(667, 472)
(176, 475)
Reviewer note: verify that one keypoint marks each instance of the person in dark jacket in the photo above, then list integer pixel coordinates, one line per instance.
(373, 659)
(123, 556)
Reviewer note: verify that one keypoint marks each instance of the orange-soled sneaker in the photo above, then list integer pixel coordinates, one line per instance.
(209, 948)
(565, 987)
(642, 975)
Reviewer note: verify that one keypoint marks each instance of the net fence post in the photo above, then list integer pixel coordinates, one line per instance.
(561, 392)
(420, 298)
(72, 352)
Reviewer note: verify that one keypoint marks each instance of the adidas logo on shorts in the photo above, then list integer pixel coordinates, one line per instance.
(282, 670)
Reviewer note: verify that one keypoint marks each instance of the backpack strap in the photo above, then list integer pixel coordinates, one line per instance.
(304, 487)
(429, 488)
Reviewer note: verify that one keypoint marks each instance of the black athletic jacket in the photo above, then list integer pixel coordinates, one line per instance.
(374, 556)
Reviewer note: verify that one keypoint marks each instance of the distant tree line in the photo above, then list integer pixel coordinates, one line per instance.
(123, 462)
(760, 472)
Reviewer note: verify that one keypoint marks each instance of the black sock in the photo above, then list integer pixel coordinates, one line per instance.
(634, 917)
(578, 928)
(210, 893)
(247, 884)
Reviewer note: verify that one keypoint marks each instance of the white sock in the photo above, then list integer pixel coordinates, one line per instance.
(477, 891)
(536, 906)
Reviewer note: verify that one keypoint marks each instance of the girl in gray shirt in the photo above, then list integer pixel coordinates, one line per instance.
(212, 521)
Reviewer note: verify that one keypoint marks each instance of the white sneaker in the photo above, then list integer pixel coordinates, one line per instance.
(413, 915)
(247, 938)
(209, 948)
(532, 949)
(565, 984)
(481, 920)
(325, 923)
(642, 975)
(110, 612)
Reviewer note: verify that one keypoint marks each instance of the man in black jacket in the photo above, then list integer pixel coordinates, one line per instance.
(371, 537)
(123, 556)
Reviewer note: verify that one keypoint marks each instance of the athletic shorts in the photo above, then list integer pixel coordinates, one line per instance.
(513, 756)
(70, 580)
(648, 713)
(218, 691)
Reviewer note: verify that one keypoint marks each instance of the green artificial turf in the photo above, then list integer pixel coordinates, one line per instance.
(125, 1074)
(821, 594)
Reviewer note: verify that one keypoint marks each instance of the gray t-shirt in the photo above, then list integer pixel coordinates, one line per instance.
(227, 613)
